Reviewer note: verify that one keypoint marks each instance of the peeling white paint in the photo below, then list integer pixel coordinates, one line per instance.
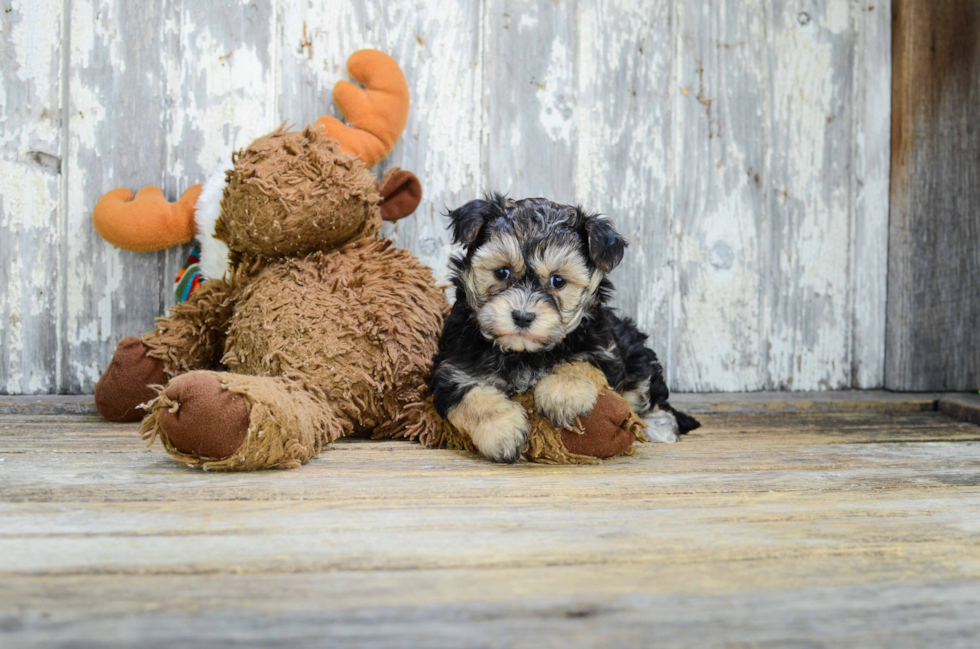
(557, 114)
(810, 330)
(13, 329)
(29, 192)
(35, 43)
(27, 195)
(743, 261)
(527, 22)
(226, 101)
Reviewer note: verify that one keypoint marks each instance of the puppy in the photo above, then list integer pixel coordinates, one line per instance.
(531, 294)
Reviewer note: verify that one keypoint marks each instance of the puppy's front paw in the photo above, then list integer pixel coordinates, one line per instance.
(498, 426)
(562, 397)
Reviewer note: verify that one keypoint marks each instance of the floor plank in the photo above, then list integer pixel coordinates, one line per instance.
(770, 526)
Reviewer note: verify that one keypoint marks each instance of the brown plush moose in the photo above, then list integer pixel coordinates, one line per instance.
(312, 326)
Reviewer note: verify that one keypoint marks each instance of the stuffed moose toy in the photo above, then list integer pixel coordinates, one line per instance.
(310, 326)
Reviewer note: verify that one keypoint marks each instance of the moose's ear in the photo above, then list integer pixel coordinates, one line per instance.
(401, 193)
(467, 221)
(606, 246)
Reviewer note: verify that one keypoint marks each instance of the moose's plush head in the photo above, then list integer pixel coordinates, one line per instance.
(289, 192)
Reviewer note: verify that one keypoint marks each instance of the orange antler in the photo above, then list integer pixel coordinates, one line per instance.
(147, 222)
(376, 116)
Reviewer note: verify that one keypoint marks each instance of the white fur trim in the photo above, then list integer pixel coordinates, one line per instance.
(214, 251)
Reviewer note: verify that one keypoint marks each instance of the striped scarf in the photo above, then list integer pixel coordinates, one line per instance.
(189, 279)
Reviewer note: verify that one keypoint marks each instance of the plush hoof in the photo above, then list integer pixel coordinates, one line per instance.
(208, 421)
(605, 433)
(126, 382)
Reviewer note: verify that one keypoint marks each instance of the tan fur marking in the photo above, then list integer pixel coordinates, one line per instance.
(502, 251)
(580, 282)
(497, 426)
(564, 261)
(567, 393)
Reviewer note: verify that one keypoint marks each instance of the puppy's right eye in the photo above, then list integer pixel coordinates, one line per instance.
(502, 273)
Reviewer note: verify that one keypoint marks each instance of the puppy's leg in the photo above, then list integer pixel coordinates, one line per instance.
(497, 425)
(570, 391)
(645, 386)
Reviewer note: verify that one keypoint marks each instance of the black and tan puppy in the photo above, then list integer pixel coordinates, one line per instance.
(531, 294)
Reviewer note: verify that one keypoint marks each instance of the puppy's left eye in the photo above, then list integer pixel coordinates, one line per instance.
(557, 282)
(502, 273)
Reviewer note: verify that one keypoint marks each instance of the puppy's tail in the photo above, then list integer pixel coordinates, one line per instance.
(685, 422)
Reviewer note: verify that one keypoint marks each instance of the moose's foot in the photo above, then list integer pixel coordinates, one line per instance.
(236, 422)
(203, 419)
(125, 384)
(607, 431)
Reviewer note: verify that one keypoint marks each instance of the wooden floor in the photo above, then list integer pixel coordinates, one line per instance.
(847, 520)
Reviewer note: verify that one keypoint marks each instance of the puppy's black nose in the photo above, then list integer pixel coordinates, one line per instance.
(523, 319)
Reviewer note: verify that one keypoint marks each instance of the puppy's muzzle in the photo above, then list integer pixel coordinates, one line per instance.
(522, 319)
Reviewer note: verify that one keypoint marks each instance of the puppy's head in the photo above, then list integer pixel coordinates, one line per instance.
(531, 268)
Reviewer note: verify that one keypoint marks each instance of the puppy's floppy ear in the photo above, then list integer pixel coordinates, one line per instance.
(606, 246)
(467, 221)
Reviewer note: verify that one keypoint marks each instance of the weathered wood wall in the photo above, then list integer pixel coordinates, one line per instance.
(741, 145)
(934, 261)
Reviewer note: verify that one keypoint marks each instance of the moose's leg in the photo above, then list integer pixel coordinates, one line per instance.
(191, 338)
(236, 422)
(128, 381)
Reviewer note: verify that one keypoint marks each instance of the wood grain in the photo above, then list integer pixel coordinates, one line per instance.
(720, 201)
(855, 526)
(31, 195)
(871, 142)
(625, 146)
(593, 606)
(806, 312)
(529, 89)
(934, 261)
(441, 50)
(116, 86)
(741, 147)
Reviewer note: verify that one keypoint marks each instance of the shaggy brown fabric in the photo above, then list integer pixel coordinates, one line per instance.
(193, 336)
(602, 434)
(354, 328)
(292, 192)
(401, 193)
(324, 328)
(203, 419)
(126, 382)
(287, 426)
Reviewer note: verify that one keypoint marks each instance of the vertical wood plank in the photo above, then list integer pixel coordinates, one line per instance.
(758, 231)
(117, 138)
(222, 80)
(30, 192)
(529, 92)
(438, 45)
(313, 42)
(720, 211)
(624, 122)
(871, 112)
(157, 97)
(807, 314)
(933, 328)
